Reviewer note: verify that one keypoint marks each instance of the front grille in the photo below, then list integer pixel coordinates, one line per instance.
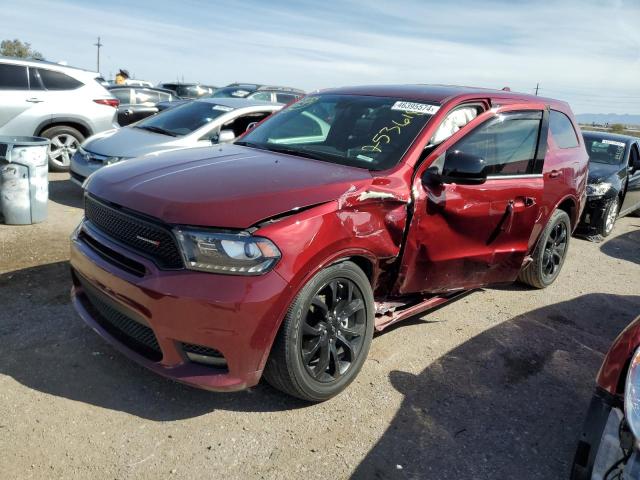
(152, 240)
(110, 255)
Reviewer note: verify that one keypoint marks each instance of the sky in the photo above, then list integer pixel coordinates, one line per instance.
(586, 52)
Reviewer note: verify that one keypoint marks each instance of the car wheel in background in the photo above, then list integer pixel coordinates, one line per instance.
(64, 143)
(550, 252)
(609, 218)
(325, 336)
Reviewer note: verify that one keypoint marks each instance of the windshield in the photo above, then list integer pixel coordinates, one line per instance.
(356, 130)
(183, 119)
(604, 150)
(233, 92)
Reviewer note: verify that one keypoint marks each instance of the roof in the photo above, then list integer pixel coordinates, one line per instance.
(33, 62)
(610, 136)
(257, 86)
(157, 89)
(432, 93)
(237, 102)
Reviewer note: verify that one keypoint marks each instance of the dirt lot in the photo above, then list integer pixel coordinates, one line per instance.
(493, 386)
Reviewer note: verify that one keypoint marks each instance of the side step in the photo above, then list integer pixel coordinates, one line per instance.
(390, 312)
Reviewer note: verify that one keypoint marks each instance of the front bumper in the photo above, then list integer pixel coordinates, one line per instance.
(593, 215)
(233, 315)
(600, 447)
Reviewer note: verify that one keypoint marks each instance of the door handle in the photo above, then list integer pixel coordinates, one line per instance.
(524, 202)
(34, 100)
(554, 173)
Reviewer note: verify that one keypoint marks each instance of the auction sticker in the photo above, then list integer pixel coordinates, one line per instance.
(613, 142)
(415, 107)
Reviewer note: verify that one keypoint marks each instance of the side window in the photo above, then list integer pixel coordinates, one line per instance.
(165, 97)
(142, 96)
(57, 80)
(562, 130)
(35, 83)
(285, 97)
(507, 143)
(122, 94)
(262, 96)
(241, 124)
(13, 77)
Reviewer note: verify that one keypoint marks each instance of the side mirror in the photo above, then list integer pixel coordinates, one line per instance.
(459, 167)
(226, 136)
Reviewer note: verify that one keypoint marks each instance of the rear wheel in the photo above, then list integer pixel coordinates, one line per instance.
(549, 255)
(609, 218)
(325, 336)
(64, 143)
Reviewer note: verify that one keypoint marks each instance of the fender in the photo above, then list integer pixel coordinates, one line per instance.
(63, 120)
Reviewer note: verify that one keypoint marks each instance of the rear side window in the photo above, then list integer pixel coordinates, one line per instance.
(13, 77)
(57, 80)
(122, 94)
(285, 97)
(507, 143)
(562, 130)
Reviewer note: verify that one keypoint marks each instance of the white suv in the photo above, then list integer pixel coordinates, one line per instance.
(63, 104)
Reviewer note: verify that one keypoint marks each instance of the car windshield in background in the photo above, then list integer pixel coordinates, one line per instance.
(356, 130)
(183, 119)
(605, 150)
(233, 92)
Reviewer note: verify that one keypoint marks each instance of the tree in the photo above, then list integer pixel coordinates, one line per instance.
(16, 48)
(617, 128)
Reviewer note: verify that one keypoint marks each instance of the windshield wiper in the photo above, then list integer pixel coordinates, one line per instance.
(249, 144)
(159, 130)
(293, 151)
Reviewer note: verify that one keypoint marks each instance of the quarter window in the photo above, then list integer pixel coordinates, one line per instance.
(562, 130)
(507, 143)
(53, 80)
(13, 77)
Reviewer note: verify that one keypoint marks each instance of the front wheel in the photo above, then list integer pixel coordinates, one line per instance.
(609, 218)
(549, 255)
(325, 336)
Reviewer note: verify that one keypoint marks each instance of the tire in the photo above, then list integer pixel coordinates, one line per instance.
(609, 218)
(307, 329)
(552, 247)
(64, 143)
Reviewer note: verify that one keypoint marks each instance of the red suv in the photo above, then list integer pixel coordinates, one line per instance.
(350, 210)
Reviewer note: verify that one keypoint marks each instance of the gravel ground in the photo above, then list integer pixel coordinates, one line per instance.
(495, 385)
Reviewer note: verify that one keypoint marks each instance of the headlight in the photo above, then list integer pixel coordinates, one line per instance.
(632, 395)
(598, 189)
(227, 253)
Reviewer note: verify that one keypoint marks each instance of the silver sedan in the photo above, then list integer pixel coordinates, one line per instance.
(194, 124)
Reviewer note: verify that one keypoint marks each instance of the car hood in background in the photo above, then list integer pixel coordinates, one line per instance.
(599, 172)
(131, 142)
(225, 186)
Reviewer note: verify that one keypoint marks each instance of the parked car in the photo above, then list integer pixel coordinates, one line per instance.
(61, 103)
(137, 103)
(613, 188)
(347, 211)
(283, 95)
(196, 124)
(189, 90)
(266, 93)
(130, 82)
(609, 447)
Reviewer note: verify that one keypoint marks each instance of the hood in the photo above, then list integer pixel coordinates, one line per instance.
(130, 142)
(599, 172)
(226, 186)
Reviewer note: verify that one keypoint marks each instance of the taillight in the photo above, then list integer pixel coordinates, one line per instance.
(111, 102)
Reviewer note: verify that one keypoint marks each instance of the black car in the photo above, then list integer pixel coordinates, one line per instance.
(137, 103)
(189, 90)
(252, 91)
(613, 189)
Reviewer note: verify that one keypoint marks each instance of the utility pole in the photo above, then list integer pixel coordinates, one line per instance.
(537, 87)
(98, 45)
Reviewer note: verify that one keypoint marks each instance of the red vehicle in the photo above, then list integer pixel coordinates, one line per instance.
(610, 444)
(348, 211)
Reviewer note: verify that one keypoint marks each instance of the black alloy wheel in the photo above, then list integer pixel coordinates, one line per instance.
(333, 330)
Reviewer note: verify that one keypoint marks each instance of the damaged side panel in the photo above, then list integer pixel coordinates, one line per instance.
(363, 222)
